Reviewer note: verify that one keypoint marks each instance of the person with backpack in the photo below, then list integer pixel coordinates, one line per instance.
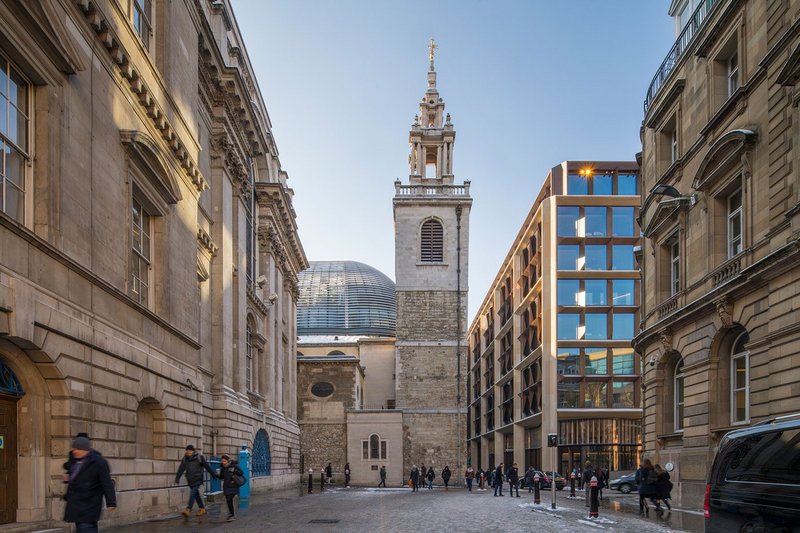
(232, 478)
(193, 464)
(663, 486)
(647, 479)
(586, 479)
(446, 476)
(430, 476)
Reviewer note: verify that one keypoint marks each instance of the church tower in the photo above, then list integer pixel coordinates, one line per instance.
(431, 220)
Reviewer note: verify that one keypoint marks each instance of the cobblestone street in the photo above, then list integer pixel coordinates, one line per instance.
(385, 510)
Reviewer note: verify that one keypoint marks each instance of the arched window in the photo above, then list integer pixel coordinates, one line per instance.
(336, 352)
(262, 459)
(248, 364)
(373, 448)
(677, 397)
(431, 242)
(740, 380)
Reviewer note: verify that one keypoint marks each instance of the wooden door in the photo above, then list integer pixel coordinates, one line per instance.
(8, 460)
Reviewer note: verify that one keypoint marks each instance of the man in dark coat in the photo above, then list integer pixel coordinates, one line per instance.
(89, 483)
(193, 465)
(383, 477)
(430, 477)
(230, 488)
(446, 476)
(498, 479)
(513, 480)
(414, 478)
(586, 479)
(329, 472)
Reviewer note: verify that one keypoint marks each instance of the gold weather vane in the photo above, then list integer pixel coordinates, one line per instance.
(432, 46)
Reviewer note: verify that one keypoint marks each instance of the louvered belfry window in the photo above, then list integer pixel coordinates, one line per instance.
(432, 242)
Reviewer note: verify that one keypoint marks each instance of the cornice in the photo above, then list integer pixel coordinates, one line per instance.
(275, 198)
(205, 241)
(110, 41)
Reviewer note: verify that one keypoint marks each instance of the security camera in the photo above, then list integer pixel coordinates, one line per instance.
(272, 298)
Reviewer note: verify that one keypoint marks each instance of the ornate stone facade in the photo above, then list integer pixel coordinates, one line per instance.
(148, 273)
(719, 332)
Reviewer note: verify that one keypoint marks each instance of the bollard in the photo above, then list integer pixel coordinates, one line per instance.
(310, 480)
(536, 498)
(322, 480)
(244, 490)
(594, 502)
(572, 485)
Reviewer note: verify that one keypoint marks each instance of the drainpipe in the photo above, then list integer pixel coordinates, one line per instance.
(458, 333)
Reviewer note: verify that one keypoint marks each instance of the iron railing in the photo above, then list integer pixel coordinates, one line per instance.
(678, 49)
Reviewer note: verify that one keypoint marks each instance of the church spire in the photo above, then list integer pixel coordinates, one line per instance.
(432, 135)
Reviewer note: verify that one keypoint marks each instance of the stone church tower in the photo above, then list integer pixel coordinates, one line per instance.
(431, 219)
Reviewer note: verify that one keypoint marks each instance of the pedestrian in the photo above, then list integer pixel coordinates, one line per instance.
(347, 474)
(329, 473)
(469, 475)
(430, 477)
(497, 479)
(513, 480)
(383, 477)
(481, 479)
(89, 483)
(579, 477)
(193, 464)
(647, 479)
(601, 482)
(588, 473)
(414, 478)
(663, 486)
(528, 480)
(446, 476)
(231, 475)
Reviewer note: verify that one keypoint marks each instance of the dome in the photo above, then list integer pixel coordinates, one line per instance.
(345, 298)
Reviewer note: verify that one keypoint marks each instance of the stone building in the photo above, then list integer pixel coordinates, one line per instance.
(394, 392)
(550, 345)
(148, 253)
(720, 341)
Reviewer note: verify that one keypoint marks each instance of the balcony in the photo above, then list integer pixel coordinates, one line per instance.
(678, 50)
(431, 190)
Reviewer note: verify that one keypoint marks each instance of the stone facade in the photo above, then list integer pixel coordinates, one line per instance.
(431, 217)
(720, 330)
(148, 275)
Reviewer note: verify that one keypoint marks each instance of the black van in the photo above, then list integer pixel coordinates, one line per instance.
(754, 483)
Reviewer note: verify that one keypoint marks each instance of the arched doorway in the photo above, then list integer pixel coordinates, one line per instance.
(262, 459)
(10, 391)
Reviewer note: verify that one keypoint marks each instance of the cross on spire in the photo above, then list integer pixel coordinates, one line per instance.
(432, 46)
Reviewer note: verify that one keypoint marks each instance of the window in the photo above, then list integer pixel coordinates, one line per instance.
(735, 223)
(141, 252)
(596, 326)
(568, 291)
(770, 457)
(595, 395)
(622, 292)
(567, 221)
(622, 394)
(596, 292)
(374, 448)
(622, 257)
(595, 361)
(577, 185)
(432, 242)
(626, 185)
(595, 220)
(678, 397)
(622, 222)
(668, 143)
(623, 326)
(740, 380)
(142, 14)
(568, 394)
(568, 326)
(569, 361)
(14, 134)
(248, 365)
(673, 146)
(733, 73)
(568, 256)
(623, 361)
(595, 257)
(602, 185)
(674, 265)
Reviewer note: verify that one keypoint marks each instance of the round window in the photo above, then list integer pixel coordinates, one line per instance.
(322, 389)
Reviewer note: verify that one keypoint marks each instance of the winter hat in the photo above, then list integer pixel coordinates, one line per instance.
(81, 443)
(190, 447)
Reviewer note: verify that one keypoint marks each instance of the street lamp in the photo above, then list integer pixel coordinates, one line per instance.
(662, 189)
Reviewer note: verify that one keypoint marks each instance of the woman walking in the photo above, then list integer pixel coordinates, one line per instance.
(647, 479)
(663, 486)
(229, 473)
(446, 476)
(430, 477)
(469, 475)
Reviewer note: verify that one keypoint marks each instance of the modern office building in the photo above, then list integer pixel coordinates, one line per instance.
(550, 346)
(148, 254)
(721, 261)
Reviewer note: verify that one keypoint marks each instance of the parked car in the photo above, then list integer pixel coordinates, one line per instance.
(560, 481)
(754, 481)
(545, 477)
(625, 484)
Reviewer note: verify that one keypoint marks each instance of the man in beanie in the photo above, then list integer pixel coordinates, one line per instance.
(193, 464)
(89, 482)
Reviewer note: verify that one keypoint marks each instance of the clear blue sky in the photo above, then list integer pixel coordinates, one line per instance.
(528, 83)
